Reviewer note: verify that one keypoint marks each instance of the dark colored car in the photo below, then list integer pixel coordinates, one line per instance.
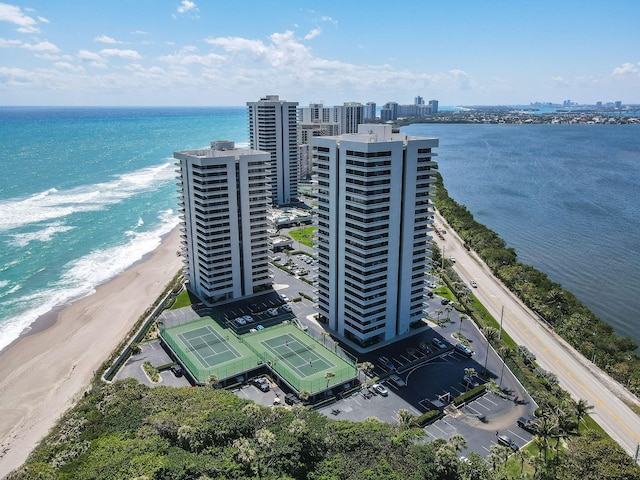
(444, 301)
(262, 384)
(507, 442)
(438, 343)
(291, 399)
(527, 423)
(177, 370)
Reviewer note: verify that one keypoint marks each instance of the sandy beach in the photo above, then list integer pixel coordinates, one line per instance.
(43, 372)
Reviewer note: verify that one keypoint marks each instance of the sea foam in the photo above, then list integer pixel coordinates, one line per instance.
(82, 276)
(54, 204)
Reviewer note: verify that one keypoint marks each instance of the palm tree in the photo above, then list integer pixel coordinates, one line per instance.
(581, 409)
(448, 308)
(366, 367)
(212, 381)
(462, 317)
(505, 353)
(405, 418)
(458, 442)
(325, 334)
(304, 395)
(328, 376)
(438, 313)
(490, 334)
(545, 429)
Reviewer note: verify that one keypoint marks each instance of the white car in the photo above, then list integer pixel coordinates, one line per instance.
(452, 259)
(379, 389)
(286, 308)
(248, 318)
(272, 312)
(474, 284)
(240, 321)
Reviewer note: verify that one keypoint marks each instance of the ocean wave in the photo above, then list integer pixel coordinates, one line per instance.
(81, 278)
(45, 235)
(55, 204)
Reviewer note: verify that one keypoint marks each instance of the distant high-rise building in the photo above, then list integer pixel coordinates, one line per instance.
(370, 112)
(314, 113)
(433, 104)
(418, 100)
(306, 131)
(618, 104)
(224, 203)
(389, 112)
(273, 129)
(375, 212)
(349, 116)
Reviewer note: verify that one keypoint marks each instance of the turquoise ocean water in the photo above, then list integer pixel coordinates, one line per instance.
(87, 192)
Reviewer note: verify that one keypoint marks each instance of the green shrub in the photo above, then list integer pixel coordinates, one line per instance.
(466, 396)
(428, 417)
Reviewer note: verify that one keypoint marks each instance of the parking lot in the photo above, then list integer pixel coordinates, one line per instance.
(428, 372)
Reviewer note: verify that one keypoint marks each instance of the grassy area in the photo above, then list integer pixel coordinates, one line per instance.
(184, 299)
(304, 235)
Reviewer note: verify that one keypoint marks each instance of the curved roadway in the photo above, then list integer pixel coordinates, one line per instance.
(576, 374)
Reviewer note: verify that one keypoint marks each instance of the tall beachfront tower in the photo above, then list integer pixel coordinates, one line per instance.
(273, 129)
(224, 202)
(375, 215)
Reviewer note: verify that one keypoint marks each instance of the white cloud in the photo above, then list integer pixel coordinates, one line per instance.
(41, 47)
(560, 81)
(13, 14)
(4, 43)
(69, 67)
(140, 32)
(43, 20)
(626, 69)
(120, 53)
(187, 5)
(87, 55)
(106, 39)
(330, 20)
(312, 34)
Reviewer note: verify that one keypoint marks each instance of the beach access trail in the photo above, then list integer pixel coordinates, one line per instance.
(43, 373)
(581, 378)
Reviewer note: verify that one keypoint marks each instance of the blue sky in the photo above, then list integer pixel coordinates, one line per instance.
(197, 52)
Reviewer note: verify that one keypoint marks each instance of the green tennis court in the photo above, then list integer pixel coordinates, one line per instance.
(206, 349)
(207, 346)
(300, 357)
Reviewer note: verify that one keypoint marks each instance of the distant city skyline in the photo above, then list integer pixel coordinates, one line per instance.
(196, 53)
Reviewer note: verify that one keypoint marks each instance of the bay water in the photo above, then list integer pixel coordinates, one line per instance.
(87, 192)
(566, 197)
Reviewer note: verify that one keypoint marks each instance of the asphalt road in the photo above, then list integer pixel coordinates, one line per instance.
(577, 375)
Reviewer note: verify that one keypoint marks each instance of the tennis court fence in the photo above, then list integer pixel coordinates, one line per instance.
(223, 371)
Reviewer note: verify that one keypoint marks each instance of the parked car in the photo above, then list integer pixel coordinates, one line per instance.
(474, 284)
(286, 308)
(444, 301)
(397, 381)
(527, 423)
(470, 382)
(284, 298)
(272, 312)
(248, 318)
(379, 389)
(177, 370)
(424, 348)
(452, 259)
(463, 349)
(291, 399)
(439, 343)
(240, 321)
(262, 384)
(507, 442)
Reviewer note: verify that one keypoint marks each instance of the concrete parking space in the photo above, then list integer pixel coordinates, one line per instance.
(153, 353)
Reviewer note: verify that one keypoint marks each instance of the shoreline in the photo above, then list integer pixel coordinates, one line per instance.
(44, 370)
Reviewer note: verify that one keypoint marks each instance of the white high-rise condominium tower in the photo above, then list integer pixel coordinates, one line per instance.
(375, 213)
(273, 129)
(224, 202)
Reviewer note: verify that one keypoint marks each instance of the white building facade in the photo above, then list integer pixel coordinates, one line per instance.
(273, 129)
(375, 215)
(224, 201)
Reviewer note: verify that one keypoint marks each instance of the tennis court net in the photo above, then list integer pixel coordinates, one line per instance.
(200, 345)
(296, 351)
